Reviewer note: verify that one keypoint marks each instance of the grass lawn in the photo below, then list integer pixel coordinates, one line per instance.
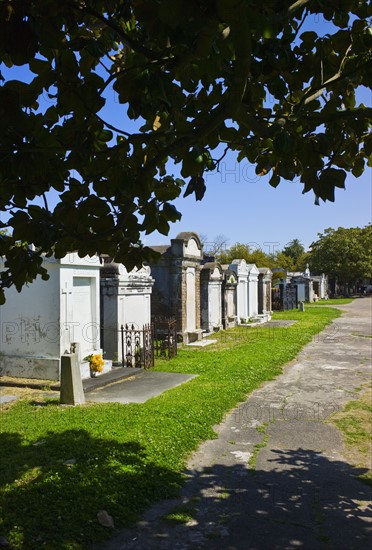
(331, 302)
(355, 424)
(59, 466)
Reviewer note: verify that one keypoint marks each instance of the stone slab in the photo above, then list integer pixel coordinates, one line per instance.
(7, 399)
(202, 343)
(139, 388)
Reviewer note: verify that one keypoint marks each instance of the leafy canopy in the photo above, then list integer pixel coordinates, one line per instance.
(189, 79)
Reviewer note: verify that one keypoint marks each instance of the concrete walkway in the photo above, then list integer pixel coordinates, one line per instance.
(276, 477)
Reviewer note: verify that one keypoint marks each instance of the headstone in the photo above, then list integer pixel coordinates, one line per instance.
(72, 392)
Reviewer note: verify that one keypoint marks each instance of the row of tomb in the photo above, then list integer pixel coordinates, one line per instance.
(86, 300)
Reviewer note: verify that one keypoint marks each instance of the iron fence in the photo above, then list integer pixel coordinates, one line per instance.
(137, 346)
(165, 337)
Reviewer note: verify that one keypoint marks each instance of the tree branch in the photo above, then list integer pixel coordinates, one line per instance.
(126, 39)
(318, 90)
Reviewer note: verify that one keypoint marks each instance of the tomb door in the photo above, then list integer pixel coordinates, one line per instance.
(85, 328)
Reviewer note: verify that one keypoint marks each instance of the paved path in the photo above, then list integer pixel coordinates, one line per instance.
(276, 477)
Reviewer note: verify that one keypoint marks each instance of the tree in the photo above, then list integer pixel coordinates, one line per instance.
(344, 254)
(192, 80)
(294, 249)
(243, 252)
(215, 247)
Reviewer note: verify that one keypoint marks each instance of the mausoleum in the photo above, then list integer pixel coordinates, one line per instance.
(176, 291)
(50, 318)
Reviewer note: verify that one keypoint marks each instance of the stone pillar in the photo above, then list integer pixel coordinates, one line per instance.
(72, 392)
(197, 297)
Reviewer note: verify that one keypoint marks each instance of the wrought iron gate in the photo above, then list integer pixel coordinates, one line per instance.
(165, 337)
(137, 346)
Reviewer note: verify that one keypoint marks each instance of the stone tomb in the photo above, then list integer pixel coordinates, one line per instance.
(253, 274)
(211, 277)
(264, 291)
(320, 286)
(229, 289)
(125, 300)
(305, 291)
(50, 318)
(247, 290)
(240, 268)
(176, 291)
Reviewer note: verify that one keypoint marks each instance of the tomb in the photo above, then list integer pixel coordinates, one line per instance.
(229, 290)
(240, 268)
(176, 291)
(211, 277)
(125, 300)
(264, 291)
(253, 274)
(50, 318)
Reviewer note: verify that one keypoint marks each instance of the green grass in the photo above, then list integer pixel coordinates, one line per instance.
(355, 424)
(182, 513)
(332, 302)
(126, 457)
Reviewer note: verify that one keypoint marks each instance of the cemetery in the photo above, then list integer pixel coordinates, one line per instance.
(95, 308)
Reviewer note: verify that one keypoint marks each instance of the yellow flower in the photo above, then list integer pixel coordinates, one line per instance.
(96, 362)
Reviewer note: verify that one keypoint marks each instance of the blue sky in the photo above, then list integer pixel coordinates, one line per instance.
(245, 208)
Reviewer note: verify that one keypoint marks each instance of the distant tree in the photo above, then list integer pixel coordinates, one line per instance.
(294, 249)
(237, 251)
(345, 254)
(283, 261)
(216, 246)
(243, 251)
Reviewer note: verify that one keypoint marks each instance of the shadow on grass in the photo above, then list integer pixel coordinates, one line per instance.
(304, 501)
(52, 489)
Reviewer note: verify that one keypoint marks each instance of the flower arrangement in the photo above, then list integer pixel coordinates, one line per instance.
(96, 362)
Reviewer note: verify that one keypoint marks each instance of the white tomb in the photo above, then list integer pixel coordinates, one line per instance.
(253, 274)
(229, 291)
(125, 300)
(240, 267)
(211, 277)
(50, 318)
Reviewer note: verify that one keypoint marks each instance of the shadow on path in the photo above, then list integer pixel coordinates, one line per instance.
(305, 501)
